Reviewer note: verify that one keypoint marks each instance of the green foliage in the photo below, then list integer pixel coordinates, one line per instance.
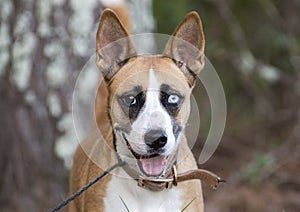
(167, 16)
(253, 172)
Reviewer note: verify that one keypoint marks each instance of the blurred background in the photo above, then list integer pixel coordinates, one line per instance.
(254, 46)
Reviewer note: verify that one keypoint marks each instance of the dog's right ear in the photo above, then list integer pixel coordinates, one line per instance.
(113, 46)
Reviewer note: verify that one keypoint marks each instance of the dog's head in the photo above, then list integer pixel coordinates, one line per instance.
(149, 95)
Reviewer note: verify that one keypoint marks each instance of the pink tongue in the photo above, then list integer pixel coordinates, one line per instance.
(153, 166)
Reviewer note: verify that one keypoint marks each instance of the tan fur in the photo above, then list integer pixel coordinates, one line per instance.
(122, 11)
(96, 151)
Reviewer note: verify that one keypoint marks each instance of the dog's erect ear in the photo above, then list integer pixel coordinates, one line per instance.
(113, 47)
(190, 54)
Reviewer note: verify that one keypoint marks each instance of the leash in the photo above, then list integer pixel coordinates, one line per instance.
(75, 195)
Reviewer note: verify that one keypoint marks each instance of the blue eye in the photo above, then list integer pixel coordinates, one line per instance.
(173, 99)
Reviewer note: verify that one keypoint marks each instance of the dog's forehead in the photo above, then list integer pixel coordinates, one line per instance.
(148, 71)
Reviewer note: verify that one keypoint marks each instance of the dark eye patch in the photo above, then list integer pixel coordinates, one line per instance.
(170, 99)
(132, 102)
(135, 109)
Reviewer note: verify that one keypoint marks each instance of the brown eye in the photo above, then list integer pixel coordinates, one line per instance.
(129, 100)
(132, 102)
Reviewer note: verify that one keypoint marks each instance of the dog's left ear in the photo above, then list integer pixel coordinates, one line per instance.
(188, 56)
(113, 46)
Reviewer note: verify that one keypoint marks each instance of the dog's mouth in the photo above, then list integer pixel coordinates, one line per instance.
(151, 165)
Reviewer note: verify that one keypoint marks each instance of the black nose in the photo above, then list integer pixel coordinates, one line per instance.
(156, 139)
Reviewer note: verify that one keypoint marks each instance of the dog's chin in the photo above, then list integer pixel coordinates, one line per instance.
(150, 165)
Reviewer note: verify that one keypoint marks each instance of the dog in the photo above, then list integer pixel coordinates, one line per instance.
(141, 110)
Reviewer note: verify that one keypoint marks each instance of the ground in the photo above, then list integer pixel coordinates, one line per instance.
(273, 187)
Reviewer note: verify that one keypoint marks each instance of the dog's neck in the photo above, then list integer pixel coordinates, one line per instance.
(139, 199)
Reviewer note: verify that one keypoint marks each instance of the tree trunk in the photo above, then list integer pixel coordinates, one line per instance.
(43, 46)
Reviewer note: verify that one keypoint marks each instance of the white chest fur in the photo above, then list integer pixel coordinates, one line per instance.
(138, 199)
